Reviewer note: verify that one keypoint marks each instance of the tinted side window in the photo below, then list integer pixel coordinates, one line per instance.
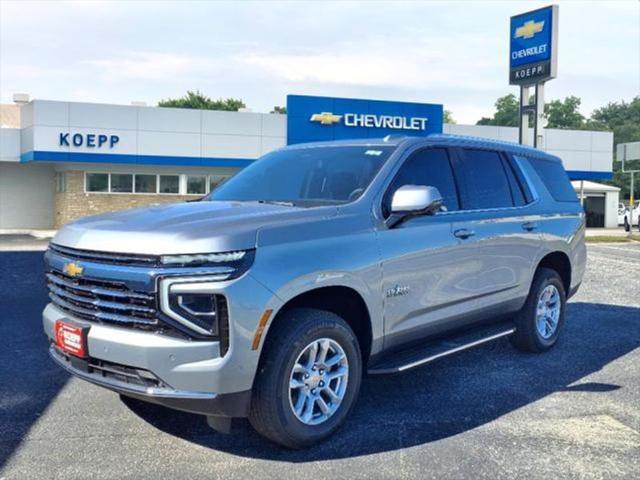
(514, 161)
(429, 167)
(555, 178)
(516, 190)
(483, 180)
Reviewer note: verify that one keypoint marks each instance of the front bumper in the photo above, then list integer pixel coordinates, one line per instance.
(206, 403)
(220, 381)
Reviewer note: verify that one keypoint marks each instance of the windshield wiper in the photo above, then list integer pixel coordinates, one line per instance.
(277, 202)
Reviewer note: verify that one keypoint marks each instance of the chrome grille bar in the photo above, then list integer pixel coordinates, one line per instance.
(99, 303)
(100, 291)
(91, 314)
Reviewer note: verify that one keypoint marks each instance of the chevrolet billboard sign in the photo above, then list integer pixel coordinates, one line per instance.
(533, 46)
(311, 118)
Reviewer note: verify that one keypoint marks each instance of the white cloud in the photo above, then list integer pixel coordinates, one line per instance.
(450, 52)
(148, 65)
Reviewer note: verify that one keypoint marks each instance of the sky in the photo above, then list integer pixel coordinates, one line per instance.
(454, 53)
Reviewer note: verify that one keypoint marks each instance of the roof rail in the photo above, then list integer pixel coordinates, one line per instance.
(394, 136)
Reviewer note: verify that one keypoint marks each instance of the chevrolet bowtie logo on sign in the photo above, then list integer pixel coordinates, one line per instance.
(529, 29)
(325, 118)
(73, 269)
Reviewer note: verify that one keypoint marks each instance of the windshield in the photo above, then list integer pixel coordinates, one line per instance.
(306, 176)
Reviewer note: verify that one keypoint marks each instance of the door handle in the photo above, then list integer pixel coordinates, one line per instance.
(464, 233)
(529, 226)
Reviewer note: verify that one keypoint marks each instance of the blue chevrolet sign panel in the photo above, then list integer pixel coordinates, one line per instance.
(313, 119)
(533, 46)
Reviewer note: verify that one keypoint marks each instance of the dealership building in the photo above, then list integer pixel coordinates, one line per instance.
(64, 160)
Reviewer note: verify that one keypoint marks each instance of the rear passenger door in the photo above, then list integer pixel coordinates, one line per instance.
(496, 232)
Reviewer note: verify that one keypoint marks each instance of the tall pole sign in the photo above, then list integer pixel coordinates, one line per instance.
(629, 152)
(533, 59)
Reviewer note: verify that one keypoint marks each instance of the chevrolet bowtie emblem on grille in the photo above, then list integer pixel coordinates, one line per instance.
(325, 118)
(529, 29)
(73, 269)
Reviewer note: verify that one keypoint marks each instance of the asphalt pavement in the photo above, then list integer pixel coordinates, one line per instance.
(490, 412)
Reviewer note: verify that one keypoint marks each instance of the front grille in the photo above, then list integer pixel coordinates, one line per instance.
(107, 257)
(104, 301)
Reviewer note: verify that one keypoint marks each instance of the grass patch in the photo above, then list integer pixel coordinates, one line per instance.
(612, 239)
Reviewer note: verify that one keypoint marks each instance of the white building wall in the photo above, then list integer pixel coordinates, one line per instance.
(26, 196)
(152, 131)
(9, 144)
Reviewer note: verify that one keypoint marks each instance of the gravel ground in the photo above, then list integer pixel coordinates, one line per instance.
(490, 412)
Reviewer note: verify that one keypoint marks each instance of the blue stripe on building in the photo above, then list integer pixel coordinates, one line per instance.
(44, 156)
(588, 175)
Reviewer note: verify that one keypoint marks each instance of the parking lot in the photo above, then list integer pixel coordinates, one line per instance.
(490, 412)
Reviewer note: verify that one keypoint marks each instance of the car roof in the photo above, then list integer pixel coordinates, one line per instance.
(444, 139)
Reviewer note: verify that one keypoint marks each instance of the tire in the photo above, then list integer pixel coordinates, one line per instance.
(272, 407)
(528, 337)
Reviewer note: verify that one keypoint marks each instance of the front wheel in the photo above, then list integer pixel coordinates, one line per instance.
(308, 380)
(538, 323)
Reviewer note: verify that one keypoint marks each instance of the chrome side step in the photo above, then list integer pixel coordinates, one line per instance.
(424, 354)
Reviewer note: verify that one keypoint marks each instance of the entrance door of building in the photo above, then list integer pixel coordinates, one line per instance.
(594, 208)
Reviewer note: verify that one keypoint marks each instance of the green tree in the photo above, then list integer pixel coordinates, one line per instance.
(623, 119)
(564, 113)
(197, 100)
(281, 110)
(447, 117)
(507, 111)
(559, 113)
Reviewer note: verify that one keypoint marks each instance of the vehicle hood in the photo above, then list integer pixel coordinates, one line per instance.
(191, 227)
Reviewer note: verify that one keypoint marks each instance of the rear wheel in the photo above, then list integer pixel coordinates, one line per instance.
(538, 323)
(308, 380)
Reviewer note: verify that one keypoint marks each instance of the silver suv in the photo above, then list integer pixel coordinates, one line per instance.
(273, 296)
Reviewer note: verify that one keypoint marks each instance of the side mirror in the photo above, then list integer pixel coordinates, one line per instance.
(413, 200)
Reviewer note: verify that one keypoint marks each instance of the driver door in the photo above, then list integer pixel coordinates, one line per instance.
(419, 270)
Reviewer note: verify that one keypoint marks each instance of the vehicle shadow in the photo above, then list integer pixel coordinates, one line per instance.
(29, 381)
(451, 396)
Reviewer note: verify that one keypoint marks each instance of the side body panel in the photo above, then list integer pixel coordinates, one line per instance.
(341, 251)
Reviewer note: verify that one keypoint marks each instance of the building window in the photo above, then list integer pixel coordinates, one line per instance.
(146, 183)
(170, 184)
(215, 181)
(121, 182)
(196, 184)
(97, 182)
(61, 182)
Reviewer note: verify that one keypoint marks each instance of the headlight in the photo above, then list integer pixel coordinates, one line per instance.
(191, 296)
(194, 302)
(198, 309)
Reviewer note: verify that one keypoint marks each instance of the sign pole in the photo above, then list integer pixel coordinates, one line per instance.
(629, 152)
(523, 124)
(631, 205)
(538, 133)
